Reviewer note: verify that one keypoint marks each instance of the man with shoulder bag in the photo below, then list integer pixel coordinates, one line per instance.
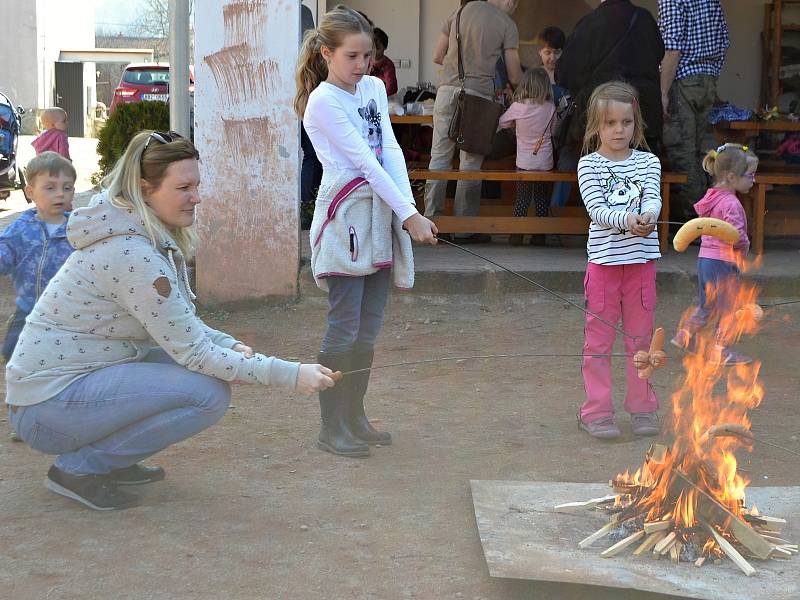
(465, 115)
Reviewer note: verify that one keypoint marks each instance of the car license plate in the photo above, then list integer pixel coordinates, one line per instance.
(159, 97)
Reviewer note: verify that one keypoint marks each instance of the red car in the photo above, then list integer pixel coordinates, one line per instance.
(145, 81)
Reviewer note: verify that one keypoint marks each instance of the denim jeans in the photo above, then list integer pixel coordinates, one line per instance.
(723, 277)
(116, 416)
(15, 325)
(356, 311)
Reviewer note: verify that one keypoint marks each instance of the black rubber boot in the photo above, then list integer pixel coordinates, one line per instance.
(359, 424)
(335, 435)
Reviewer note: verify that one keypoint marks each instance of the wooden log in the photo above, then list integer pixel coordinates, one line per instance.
(699, 562)
(572, 507)
(649, 542)
(776, 540)
(711, 511)
(782, 550)
(765, 522)
(588, 541)
(665, 544)
(731, 552)
(675, 551)
(622, 544)
(654, 526)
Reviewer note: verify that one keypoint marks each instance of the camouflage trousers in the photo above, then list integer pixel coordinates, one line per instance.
(690, 101)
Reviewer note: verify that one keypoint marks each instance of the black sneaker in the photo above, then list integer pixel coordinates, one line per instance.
(95, 491)
(137, 474)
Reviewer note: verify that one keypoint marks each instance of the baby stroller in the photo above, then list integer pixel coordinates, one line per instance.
(11, 178)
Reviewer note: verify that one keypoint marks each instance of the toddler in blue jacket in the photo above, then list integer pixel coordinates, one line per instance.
(33, 248)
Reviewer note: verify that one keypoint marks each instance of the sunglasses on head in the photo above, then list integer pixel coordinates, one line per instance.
(162, 137)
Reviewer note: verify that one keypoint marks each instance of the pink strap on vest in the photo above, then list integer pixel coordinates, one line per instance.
(343, 193)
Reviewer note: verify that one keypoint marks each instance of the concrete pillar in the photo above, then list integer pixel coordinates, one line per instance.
(248, 138)
(179, 108)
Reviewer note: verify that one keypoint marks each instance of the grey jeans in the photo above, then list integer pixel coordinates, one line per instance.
(115, 417)
(468, 193)
(355, 314)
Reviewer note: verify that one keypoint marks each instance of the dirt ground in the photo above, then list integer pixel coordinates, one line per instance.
(251, 509)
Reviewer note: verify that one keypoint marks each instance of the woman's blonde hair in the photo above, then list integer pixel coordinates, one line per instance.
(535, 87)
(613, 91)
(311, 67)
(728, 158)
(147, 160)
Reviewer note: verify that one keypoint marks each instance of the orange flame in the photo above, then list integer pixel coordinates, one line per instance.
(710, 395)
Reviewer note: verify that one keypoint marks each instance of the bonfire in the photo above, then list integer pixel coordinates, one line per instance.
(687, 500)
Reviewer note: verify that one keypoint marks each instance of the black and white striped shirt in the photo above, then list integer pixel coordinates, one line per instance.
(612, 189)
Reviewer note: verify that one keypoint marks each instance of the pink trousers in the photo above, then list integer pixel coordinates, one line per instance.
(614, 291)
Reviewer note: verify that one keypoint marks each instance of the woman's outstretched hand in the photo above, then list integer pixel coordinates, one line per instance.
(246, 350)
(421, 229)
(313, 378)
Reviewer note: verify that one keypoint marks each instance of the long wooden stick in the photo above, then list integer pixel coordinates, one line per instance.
(651, 541)
(730, 551)
(571, 507)
(588, 541)
(622, 544)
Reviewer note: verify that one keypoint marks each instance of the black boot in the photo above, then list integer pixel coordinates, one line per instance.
(335, 435)
(359, 424)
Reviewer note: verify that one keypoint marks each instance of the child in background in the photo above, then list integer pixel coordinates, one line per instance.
(54, 137)
(532, 114)
(552, 44)
(621, 188)
(733, 168)
(33, 248)
(382, 65)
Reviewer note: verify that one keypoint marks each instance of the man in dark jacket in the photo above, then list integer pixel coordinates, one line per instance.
(616, 41)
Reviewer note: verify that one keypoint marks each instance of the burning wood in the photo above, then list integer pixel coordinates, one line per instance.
(687, 501)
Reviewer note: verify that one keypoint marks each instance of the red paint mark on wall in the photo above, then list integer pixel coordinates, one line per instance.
(239, 77)
(244, 21)
(248, 138)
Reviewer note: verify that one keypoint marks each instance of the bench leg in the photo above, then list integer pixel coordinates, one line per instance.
(759, 212)
(663, 228)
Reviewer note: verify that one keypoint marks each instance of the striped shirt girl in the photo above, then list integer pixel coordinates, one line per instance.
(612, 189)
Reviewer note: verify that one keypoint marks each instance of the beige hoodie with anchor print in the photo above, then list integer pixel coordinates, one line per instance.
(116, 298)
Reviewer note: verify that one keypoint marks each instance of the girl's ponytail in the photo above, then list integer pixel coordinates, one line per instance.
(311, 67)
(709, 160)
(311, 70)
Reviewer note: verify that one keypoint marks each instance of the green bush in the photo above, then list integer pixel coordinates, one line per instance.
(125, 122)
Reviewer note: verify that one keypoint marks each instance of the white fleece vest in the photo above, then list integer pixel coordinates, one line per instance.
(354, 233)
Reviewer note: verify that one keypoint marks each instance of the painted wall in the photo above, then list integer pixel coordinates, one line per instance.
(432, 15)
(248, 138)
(64, 26)
(400, 21)
(18, 77)
(32, 34)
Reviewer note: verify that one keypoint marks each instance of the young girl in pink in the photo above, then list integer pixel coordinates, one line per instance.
(733, 168)
(532, 115)
(620, 186)
(363, 216)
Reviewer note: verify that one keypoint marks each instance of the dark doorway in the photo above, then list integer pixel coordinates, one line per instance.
(69, 95)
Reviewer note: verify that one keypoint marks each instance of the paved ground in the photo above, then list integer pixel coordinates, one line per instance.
(250, 509)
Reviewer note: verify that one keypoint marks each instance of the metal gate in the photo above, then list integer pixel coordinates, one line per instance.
(69, 95)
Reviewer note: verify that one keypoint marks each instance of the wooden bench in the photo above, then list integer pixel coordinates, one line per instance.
(570, 220)
(783, 223)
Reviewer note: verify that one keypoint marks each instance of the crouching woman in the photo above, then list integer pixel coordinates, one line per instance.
(113, 364)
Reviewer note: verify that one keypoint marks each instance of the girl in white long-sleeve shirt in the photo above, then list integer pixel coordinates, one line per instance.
(363, 209)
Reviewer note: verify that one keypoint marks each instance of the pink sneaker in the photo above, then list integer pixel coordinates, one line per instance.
(602, 429)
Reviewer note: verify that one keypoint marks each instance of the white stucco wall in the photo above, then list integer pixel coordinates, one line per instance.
(18, 77)
(62, 26)
(248, 138)
(432, 15)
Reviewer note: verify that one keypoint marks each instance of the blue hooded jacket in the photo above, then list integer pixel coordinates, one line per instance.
(32, 257)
